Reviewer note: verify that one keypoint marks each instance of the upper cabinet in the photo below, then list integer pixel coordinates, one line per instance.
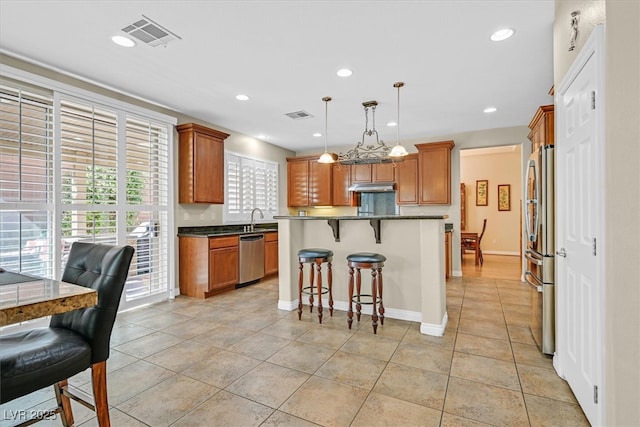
(308, 182)
(201, 164)
(541, 127)
(379, 172)
(341, 175)
(434, 173)
(407, 180)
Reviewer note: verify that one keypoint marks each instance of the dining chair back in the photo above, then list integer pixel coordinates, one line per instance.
(74, 341)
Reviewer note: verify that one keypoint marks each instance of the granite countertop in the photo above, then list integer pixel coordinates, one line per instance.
(364, 217)
(225, 230)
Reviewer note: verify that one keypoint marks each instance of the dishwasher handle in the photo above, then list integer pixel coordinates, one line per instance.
(252, 237)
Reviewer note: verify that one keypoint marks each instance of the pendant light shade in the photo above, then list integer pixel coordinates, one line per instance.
(398, 150)
(326, 157)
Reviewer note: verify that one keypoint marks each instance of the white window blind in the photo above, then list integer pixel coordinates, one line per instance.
(250, 183)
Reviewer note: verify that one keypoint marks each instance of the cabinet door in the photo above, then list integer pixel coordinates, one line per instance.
(434, 171)
(223, 268)
(270, 253)
(208, 169)
(341, 175)
(360, 174)
(297, 183)
(383, 172)
(407, 181)
(320, 187)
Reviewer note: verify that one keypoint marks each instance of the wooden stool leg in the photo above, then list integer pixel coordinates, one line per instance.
(350, 311)
(64, 403)
(374, 296)
(300, 278)
(319, 287)
(330, 285)
(311, 275)
(381, 308)
(99, 382)
(358, 283)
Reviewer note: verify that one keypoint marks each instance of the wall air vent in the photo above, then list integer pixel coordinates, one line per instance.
(297, 115)
(150, 32)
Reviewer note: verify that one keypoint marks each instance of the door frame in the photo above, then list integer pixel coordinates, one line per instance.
(594, 47)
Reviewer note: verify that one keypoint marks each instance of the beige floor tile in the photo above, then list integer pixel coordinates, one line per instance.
(484, 295)
(545, 383)
(483, 328)
(302, 357)
(149, 344)
(124, 332)
(221, 369)
(530, 355)
(351, 369)
(223, 336)
(482, 305)
(165, 320)
(485, 370)
(473, 314)
(255, 321)
(117, 418)
(191, 328)
(226, 409)
(325, 402)
(281, 419)
(380, 410)
(131, 380)
(423, 357)
(367, 344)
(288, 328)
(183, 395)
(413, 336)
(520, 334)
(138, 314)
(413, 385)
(81, 414)
(259, 346)
(182, 356)
(222, 315)
(193, 309)
(116, 361)
(454, 300)
(485, 403)
(518, 298)
(326, 337)
(484, 346)
(550, 412)
(258, 384)
(450, 420)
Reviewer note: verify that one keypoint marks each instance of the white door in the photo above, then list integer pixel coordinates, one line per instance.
(579, 240)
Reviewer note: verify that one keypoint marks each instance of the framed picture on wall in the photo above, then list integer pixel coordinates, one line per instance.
(504, 197)
(482, 197)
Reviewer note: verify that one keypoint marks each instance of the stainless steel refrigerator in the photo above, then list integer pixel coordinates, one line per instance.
(539, 220)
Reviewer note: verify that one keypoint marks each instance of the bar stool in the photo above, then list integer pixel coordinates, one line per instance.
(375, 262)
(316, 257)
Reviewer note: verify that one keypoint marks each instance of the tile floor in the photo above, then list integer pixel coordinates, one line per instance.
(235, 360)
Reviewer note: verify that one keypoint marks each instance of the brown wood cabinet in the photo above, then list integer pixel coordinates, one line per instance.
(270, 253)
(434, 173)
(308, 182)
(201, 164)
(341, 176)
(407, 180)
(207, 265)
(379, 172)
(542, 126)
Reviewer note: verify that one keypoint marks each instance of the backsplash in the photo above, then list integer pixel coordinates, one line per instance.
(378, 204)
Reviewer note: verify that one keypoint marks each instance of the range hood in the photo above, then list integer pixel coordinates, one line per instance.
(373, 187)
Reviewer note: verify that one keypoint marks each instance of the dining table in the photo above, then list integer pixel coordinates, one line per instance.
(471, 240)
(25, 297)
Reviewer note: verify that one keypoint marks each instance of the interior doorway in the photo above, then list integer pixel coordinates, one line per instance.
(491, 189)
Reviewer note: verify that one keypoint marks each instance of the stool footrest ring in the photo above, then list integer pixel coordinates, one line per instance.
(312, 290)
(355, 299)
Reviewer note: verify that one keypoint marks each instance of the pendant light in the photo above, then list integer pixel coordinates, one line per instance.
(326, 157)
(398, 151)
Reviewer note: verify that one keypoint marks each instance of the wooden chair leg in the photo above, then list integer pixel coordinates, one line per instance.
(99, 383)
(64, 403)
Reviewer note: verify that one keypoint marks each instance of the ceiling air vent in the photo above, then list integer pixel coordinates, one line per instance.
(297, 115)
(150, 32)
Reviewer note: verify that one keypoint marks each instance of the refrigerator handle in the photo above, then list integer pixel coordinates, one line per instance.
(531, 233)
(531, 257)
(534, 283)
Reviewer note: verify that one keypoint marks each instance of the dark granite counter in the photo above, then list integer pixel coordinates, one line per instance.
(225, 230)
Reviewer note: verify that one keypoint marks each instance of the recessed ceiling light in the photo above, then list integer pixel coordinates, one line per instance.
(317, 134)
(502, 34)
(344, 72)
(392, 124)
(490, 110)
(242, 97)
(123, 41)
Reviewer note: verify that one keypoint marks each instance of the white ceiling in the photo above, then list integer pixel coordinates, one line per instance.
(285, 54)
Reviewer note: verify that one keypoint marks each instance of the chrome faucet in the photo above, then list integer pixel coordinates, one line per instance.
(253, 219)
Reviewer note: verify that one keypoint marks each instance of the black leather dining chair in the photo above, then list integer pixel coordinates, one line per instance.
(74, 341)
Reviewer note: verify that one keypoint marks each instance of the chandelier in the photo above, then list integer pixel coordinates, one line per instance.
(379, 152)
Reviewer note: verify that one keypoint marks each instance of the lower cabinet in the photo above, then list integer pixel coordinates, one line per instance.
(207, 265)
(270, 253)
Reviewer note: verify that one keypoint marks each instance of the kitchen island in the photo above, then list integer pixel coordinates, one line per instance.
(414, 273)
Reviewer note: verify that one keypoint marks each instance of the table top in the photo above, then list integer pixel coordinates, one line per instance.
(37, 297)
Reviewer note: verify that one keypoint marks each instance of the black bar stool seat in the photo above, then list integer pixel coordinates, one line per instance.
(316, 257)
(375, 262)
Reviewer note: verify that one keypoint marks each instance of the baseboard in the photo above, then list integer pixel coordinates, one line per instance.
(287, 305)
(433, 329)
(510, 253)
(391, 313)
(456, 273)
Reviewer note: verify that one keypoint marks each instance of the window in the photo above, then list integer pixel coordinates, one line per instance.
(249, 183)
(74, 169)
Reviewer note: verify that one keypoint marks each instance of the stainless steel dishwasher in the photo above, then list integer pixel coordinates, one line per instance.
(251, 257)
